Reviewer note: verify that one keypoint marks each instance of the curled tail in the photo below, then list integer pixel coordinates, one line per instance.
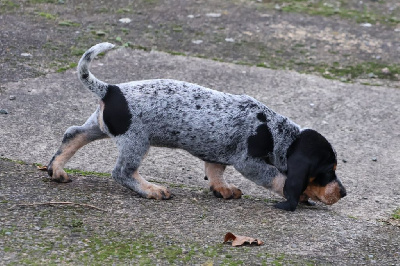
(88, 79)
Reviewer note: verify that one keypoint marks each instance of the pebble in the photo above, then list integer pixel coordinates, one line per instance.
(229, 40)
(366, 25)
(125, 20)
(213, 15)
(12, 97)
(3, 111)
(374, 159)
(190, 16)
(26, 55)
(100, 33)
(197, 41)
(385, 71)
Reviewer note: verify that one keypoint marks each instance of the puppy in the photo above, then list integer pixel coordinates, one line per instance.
(219, 128)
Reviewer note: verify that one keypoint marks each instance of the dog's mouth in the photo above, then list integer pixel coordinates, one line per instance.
(305, 197)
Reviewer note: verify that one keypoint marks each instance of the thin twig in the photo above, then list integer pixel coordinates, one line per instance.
(59, 203)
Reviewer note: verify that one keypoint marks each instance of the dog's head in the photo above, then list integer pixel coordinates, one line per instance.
(325, 186)
(312, 162)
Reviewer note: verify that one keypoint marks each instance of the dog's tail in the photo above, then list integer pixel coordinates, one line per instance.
(88, 79)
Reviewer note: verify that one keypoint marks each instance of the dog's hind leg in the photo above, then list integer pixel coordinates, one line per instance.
(218, 186)
(132, 151)
(74, 138)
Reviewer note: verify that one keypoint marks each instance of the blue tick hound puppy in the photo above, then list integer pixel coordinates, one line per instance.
(219, 128)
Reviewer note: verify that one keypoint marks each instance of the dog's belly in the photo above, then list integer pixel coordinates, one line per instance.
(206, 146)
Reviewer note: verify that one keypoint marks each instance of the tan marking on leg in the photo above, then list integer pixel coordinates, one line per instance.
(278, 183)
(215, 172)
(149, 190)
(67, 151)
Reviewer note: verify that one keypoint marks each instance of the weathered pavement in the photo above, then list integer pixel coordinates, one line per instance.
(360, 121)
(330, 38)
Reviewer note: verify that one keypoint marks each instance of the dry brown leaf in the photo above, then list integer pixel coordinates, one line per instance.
(42, 167)
(241, 240)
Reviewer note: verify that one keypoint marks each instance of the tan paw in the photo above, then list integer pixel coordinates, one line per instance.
(157, 192)
(59, 175)
(230, 192)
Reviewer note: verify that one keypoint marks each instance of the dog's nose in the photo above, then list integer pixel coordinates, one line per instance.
(343, 193)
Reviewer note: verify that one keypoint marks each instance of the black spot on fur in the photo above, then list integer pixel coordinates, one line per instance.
(242, 107)
(261, 144)
(198, 107)
(262, 117)
(71, 135)
(175, 132)
(280, 128)
(85, 75)
(88, 55)
(116, 113)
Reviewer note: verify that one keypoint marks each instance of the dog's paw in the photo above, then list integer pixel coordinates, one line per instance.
(230, 192)
(286, 205)
(157, 192)
(58, 175)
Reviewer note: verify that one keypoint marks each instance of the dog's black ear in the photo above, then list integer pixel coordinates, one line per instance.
(298, 170)
(296, 181)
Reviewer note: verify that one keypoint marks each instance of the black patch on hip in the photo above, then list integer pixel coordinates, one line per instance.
(116, 114)
(262, 143)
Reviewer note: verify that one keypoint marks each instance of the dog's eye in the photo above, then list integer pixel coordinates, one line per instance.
(325, 177)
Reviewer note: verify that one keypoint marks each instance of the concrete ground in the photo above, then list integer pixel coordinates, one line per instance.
(361, 122)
